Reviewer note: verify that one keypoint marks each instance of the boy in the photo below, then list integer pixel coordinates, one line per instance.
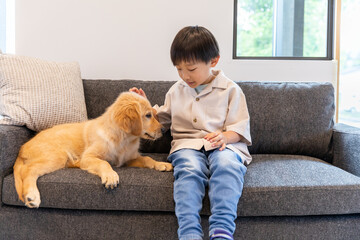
(209, 122)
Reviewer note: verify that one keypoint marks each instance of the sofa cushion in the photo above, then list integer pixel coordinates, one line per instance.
(290, 118)
(39, 94)
(72, 188)
(275, 185)
(297, 185)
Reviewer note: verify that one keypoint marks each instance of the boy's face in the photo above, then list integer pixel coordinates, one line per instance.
(196, 73)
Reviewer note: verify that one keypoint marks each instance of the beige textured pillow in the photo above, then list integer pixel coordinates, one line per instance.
(40, 94)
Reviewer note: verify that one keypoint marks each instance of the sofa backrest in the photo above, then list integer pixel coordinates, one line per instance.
(291, 118)
(285, 117)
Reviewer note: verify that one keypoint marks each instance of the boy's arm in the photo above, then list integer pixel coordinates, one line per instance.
(163, 113)
(238, 119)
(237, 124)
(231, 137)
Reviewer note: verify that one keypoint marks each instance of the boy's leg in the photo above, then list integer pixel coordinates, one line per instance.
(191, 177)
(225, 188)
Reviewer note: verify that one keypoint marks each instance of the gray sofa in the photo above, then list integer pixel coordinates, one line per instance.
(302, 184)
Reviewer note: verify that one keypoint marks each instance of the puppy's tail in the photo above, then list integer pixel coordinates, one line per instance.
(18, 177)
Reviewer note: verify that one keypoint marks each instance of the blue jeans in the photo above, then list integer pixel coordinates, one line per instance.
(194, 170)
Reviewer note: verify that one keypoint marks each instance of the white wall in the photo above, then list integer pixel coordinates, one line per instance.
(118, 39)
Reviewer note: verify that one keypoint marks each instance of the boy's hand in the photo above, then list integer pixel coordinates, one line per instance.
(218, 139)
(138, 91)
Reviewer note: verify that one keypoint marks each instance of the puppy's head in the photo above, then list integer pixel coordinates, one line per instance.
(134, 115)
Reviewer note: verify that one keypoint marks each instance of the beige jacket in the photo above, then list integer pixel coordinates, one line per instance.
(220, 106)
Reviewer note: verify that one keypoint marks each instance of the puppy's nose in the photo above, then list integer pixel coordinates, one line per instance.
(163, 130)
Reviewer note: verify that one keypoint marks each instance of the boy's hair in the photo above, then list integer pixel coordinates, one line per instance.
(193, 44)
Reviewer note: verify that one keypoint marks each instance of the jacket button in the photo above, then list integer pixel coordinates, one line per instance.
(195, 120)
(197, 99)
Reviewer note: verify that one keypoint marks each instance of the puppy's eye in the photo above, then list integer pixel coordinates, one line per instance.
(148, 115)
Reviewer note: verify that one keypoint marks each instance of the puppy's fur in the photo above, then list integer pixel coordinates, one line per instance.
(94, 145)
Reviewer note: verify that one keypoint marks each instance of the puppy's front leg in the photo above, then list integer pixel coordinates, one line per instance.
(148, 162)
(91, 163)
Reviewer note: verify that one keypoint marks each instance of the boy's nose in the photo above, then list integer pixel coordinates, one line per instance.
(185, 76)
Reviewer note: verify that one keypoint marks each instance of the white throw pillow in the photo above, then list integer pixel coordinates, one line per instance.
(40, 94)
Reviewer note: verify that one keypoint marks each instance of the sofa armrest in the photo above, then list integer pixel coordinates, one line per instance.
(11, 139)
(346, 142)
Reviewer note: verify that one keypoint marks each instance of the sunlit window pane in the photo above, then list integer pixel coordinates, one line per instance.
(349, 88)
(254, 28)
(283, 28)
(2, 25)
(315, 28)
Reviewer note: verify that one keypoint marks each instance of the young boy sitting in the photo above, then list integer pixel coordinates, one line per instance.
(209, 122)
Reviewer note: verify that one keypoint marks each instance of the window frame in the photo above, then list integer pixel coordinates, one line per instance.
(330, 38)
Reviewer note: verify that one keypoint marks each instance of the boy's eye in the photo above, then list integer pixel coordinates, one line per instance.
(193, 69)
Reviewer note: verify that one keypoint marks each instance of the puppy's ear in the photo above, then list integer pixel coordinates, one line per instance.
(129, 119)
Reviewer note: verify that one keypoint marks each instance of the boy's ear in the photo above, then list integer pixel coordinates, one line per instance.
(214, 61)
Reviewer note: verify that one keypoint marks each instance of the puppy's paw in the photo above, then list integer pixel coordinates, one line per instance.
(110, 179)
(32, 199)
(163, 166)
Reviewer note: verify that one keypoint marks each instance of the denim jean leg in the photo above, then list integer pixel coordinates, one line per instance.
(225, 188)
(191, 178)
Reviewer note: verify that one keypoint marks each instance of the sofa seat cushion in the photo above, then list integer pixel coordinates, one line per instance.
(72, 188)
(280, 185)
(275, 185)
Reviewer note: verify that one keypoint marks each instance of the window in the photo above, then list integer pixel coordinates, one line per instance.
(349, 79)
(2, 25)
(283, 29)
(7, 26)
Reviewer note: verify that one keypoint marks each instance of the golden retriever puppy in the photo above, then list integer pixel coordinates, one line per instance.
(94, 145)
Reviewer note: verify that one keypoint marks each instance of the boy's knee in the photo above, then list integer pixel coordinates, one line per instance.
(227, 160)
(187, 162)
